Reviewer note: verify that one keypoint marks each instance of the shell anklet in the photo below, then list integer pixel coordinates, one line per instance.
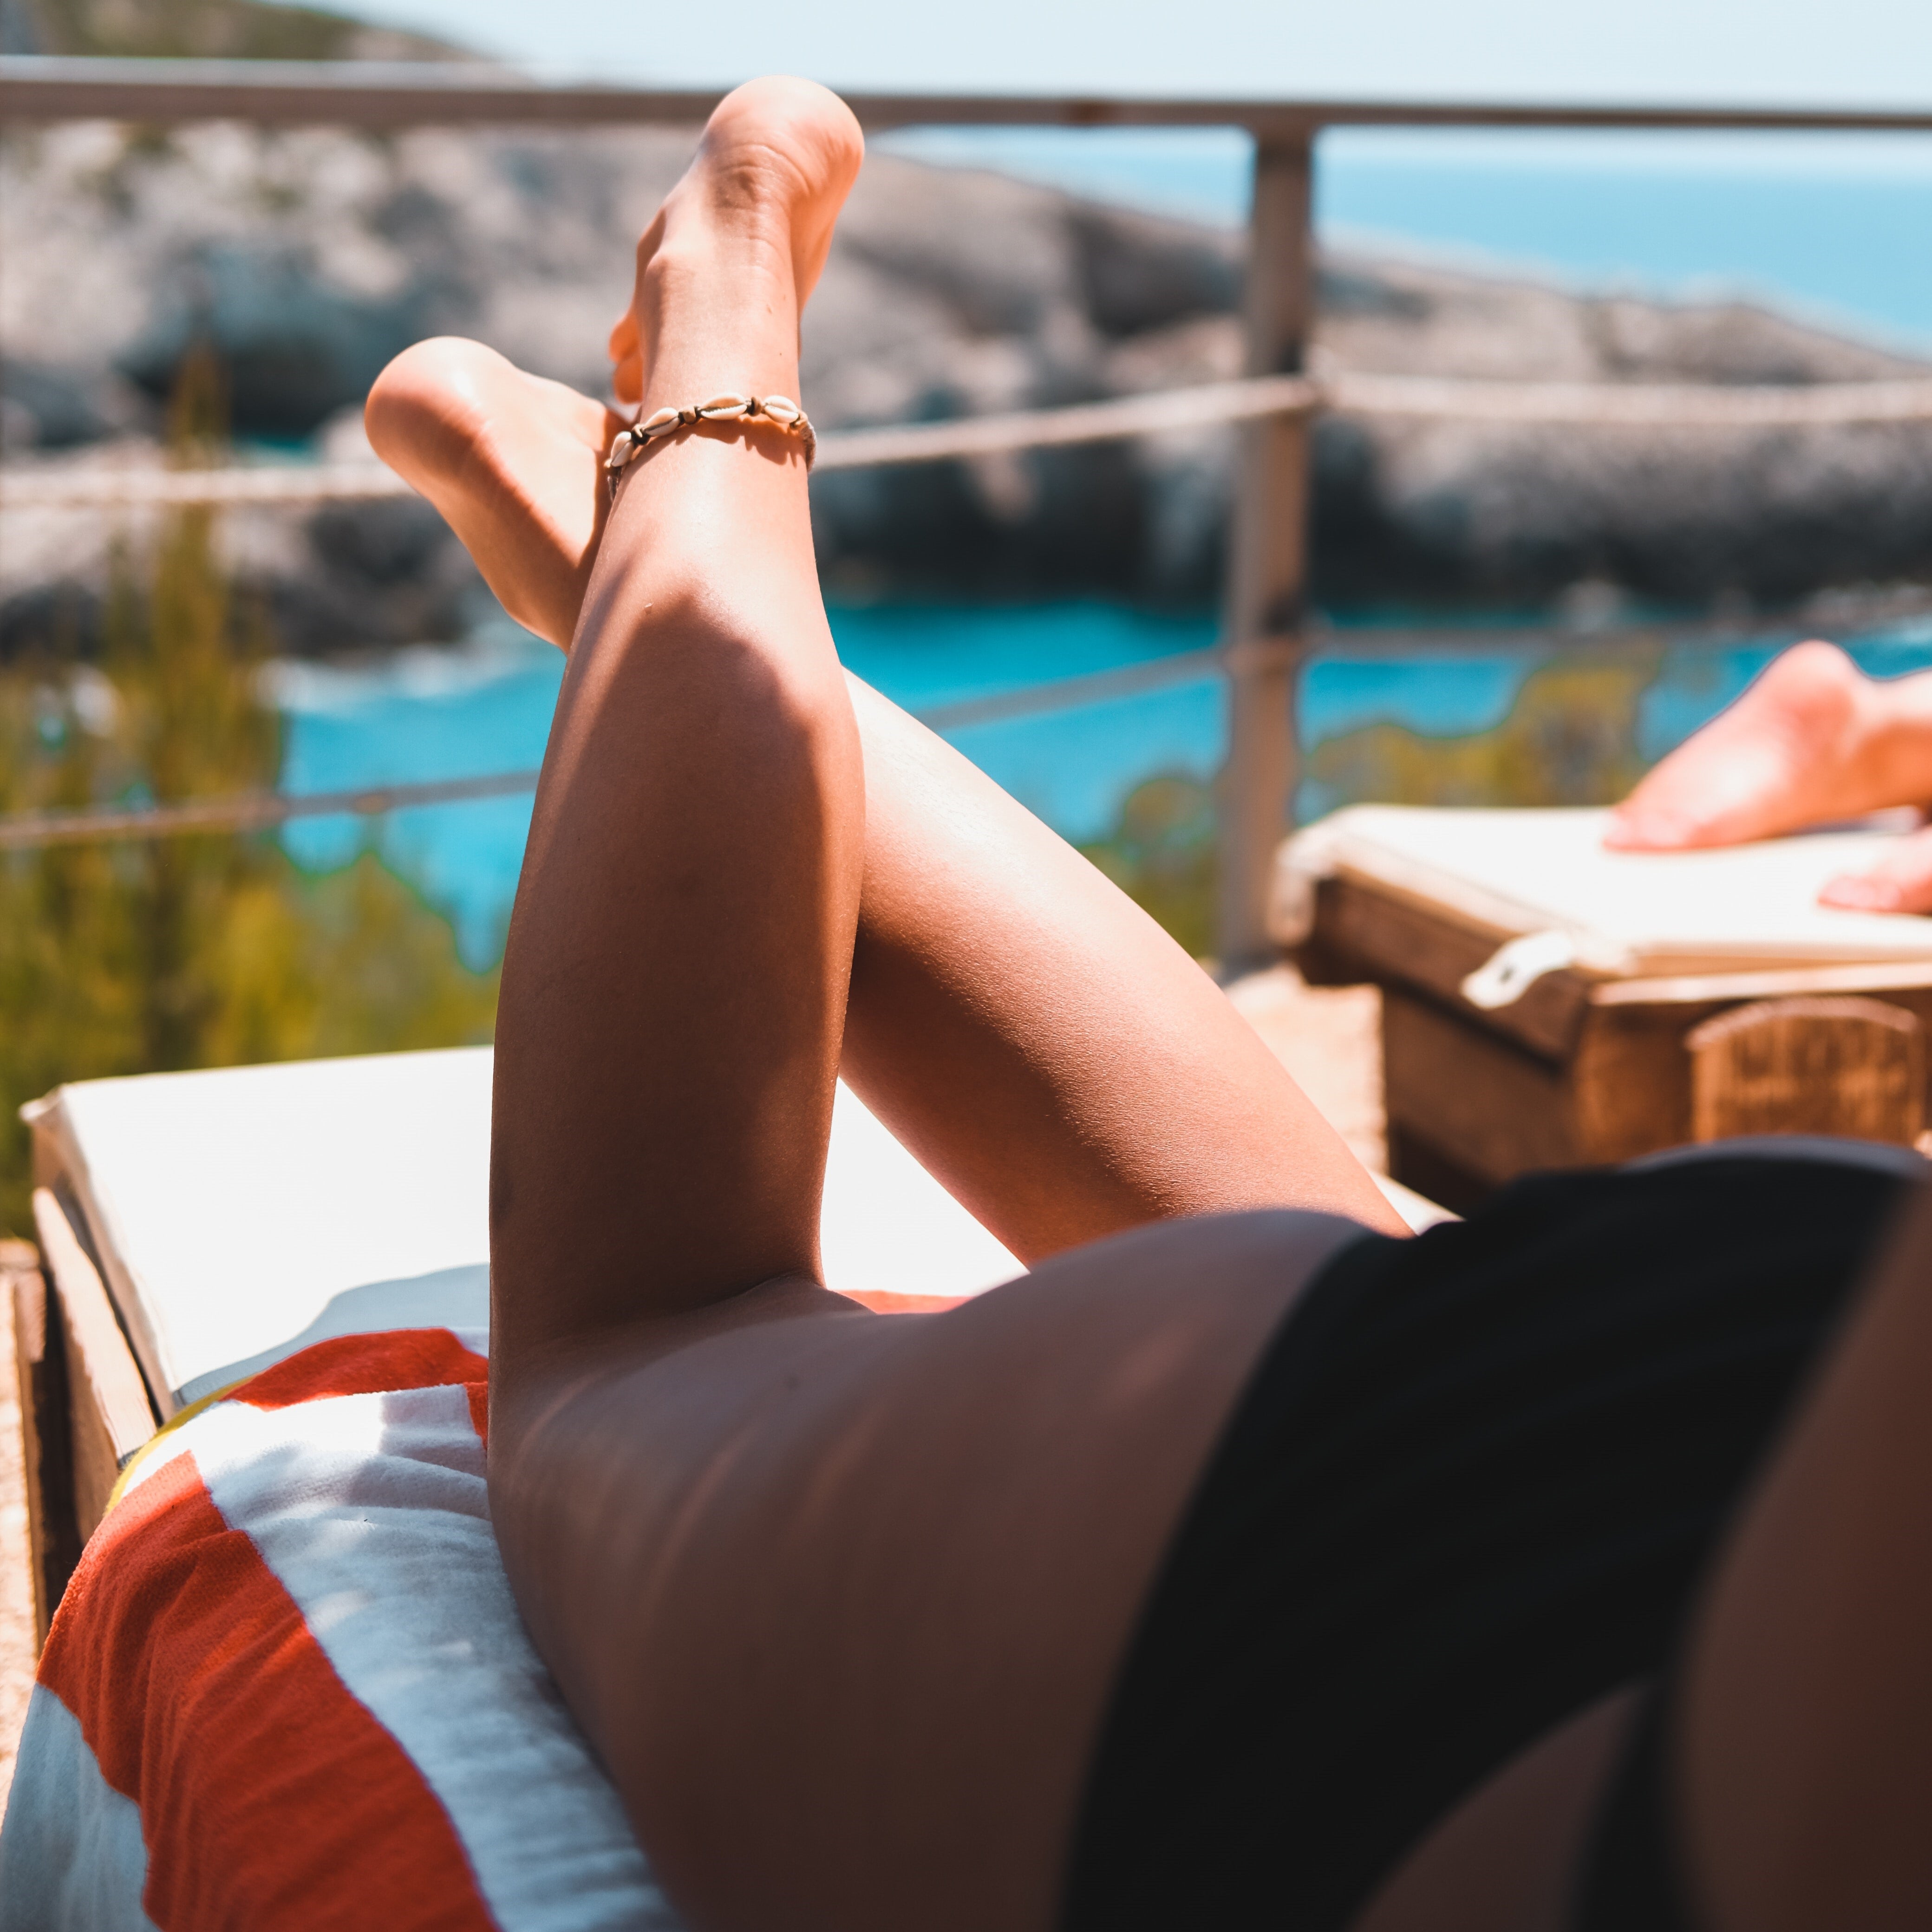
(780, 411)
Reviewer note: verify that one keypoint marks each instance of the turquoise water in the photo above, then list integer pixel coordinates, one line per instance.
(434, 714)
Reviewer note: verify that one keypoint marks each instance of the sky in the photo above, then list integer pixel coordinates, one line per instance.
(1812, 222)
(1849, 52)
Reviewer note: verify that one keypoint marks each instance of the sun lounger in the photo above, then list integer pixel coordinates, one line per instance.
(287, 1684)
(1547, 1002)
(221, 1222)
(201, 1227)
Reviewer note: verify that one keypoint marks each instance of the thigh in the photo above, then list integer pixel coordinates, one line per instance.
(845, 1594)
(1052, 1055)
(1468, 1495)
(1794, 1764)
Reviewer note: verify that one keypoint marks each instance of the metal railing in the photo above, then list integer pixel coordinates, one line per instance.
(420, 94)
(1265, 622)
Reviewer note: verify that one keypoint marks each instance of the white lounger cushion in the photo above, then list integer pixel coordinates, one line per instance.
(1521, 873)
(241, 1214)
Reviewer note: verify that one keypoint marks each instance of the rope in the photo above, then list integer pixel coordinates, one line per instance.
(256, 811)
(248, 812)
(1064, 693)
(1082, 422)
(1668, 405)
(1674, 405)
(1607, 405)
(179, 489)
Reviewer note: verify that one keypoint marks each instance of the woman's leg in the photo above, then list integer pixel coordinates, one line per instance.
(837, 1596)
(1038, 1041)
(674, 981)
(1042, 1045)
(1802, 1732)
(1789, 1782)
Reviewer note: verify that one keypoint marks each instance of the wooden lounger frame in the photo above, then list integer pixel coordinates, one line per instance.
(1585, 1069)
(84, 1408)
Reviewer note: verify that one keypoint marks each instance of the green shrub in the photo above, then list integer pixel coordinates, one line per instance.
(214, 950)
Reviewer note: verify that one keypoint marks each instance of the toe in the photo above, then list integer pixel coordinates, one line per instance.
(627, 357)
(1636, 827)
(1900, 882)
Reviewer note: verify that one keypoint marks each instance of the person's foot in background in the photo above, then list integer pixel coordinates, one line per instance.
(1812, 741)
(1802, 746)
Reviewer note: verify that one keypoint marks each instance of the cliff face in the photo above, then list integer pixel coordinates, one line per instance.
(307, 258)
(1689, 516)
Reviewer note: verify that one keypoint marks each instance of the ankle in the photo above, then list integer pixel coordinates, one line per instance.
(733, 216)
(718, 313)
(1894, 738)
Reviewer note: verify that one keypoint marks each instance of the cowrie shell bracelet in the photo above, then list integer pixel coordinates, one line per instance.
(780, 411)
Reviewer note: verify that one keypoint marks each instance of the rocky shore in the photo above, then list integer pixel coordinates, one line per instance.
(306, 259)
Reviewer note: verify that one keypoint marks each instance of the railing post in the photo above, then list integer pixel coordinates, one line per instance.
(1266, 559)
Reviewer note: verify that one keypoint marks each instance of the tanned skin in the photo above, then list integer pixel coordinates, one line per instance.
(1812, 741)
(839, 1597)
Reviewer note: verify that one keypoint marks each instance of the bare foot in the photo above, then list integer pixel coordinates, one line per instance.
(771, 144)
(1795, 750)
(515, 464)
(1900, 882)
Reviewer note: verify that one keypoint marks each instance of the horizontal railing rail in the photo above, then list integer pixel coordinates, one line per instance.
(255, 812)
(247, 811)
(370, 93)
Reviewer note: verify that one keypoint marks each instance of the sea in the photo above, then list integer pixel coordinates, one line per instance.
(1832, 228)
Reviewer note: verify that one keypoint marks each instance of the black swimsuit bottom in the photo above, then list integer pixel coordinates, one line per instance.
(1468, 1491)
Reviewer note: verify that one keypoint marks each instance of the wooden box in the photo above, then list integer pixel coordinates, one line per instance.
(1545, 1003)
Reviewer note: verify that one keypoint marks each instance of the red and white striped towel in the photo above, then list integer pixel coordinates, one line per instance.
(287, 1686)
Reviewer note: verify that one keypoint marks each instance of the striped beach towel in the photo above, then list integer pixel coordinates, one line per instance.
(287, 1686)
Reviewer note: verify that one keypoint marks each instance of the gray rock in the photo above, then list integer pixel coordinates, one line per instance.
(306, 258)
(1477, 514)
(294, 349)
(48, 407)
